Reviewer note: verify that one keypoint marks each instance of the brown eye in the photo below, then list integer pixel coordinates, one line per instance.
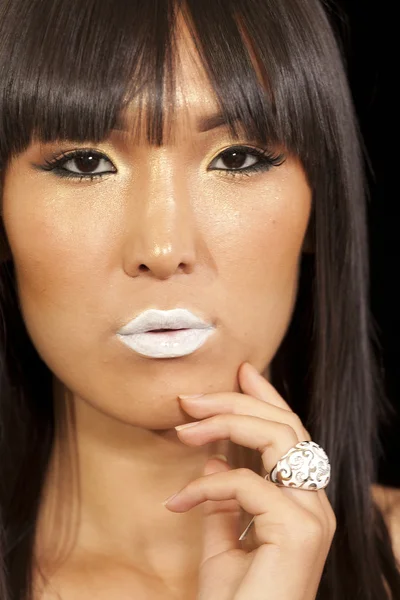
(82, 164)
(236, 158)
(245, 160)
(86, 162)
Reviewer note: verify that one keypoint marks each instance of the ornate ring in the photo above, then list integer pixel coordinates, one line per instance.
(304, 466)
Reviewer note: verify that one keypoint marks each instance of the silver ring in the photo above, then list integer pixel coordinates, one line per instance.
(304, 466)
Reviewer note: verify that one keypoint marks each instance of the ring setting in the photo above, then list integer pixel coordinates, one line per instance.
(305, 466)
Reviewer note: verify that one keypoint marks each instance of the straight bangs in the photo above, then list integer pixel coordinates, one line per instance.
(71, 70)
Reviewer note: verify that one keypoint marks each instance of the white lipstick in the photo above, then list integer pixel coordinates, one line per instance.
(187, 333)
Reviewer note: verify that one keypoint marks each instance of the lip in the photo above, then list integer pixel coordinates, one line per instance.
(177, 318)
(171, 344)
(187, 333)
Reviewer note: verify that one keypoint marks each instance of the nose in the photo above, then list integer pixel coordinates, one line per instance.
(161, 236)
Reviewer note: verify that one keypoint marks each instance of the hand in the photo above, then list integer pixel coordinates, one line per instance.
(294, 528)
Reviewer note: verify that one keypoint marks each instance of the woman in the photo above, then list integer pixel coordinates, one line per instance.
(170, 165)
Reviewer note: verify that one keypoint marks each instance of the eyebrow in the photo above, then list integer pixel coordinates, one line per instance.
(205, 123)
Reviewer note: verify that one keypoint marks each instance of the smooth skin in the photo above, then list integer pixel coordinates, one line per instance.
(294, 527)
(165, 227)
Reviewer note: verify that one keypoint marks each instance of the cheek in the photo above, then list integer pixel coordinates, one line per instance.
(55, 233)
(264, 267)
(53, 237)
(67, 256)
(60, 264)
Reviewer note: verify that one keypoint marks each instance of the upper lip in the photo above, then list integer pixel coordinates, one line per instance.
(177, 318)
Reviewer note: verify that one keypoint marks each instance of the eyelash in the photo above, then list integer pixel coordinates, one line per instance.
(266, 161)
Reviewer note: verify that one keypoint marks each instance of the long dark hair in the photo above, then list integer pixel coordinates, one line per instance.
(68, 70)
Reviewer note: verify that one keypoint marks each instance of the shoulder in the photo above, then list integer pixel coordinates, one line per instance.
(388, 500)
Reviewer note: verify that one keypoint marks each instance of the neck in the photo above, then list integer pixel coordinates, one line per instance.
(104, 489)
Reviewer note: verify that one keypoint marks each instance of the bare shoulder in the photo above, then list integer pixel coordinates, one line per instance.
(388, 500)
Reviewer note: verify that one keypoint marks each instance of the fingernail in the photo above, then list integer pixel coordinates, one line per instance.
(170, 498)
(184, 397)
(220, 456)
(179, 427)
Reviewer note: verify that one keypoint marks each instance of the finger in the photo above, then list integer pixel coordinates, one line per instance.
(275, 514)
(329, 513)
(253, 493)
(257, 385)
(270, 438)
(221, 519)
(324, 511)
(257, 389)
(242, 404)
(283, 529)
(290, 576)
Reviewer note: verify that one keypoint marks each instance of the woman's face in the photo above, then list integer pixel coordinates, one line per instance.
(169, 227)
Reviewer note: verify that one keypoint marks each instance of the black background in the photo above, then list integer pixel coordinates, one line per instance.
(357, 25)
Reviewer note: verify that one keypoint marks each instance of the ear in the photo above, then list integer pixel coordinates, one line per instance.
(309, 238)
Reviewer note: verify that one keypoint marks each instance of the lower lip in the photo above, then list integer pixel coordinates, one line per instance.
(168, 344)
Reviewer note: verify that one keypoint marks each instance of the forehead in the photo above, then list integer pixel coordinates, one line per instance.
(191, 104)
(159, 90)
(192, 84)
(192, 96)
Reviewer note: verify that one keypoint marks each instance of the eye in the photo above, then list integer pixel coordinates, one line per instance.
(244, 160)
(82, 164)
(89, 164)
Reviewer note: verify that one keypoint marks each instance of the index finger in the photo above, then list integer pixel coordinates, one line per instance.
(256, 385)
(262, 388)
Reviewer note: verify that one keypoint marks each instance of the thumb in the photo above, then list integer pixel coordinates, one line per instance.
(221, 518)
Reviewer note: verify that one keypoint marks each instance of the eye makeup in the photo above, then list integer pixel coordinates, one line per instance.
(87, 158)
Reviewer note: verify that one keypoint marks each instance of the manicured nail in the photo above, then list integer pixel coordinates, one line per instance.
(170, 498)
(190, 396)
(220, 456)
(179, 427)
